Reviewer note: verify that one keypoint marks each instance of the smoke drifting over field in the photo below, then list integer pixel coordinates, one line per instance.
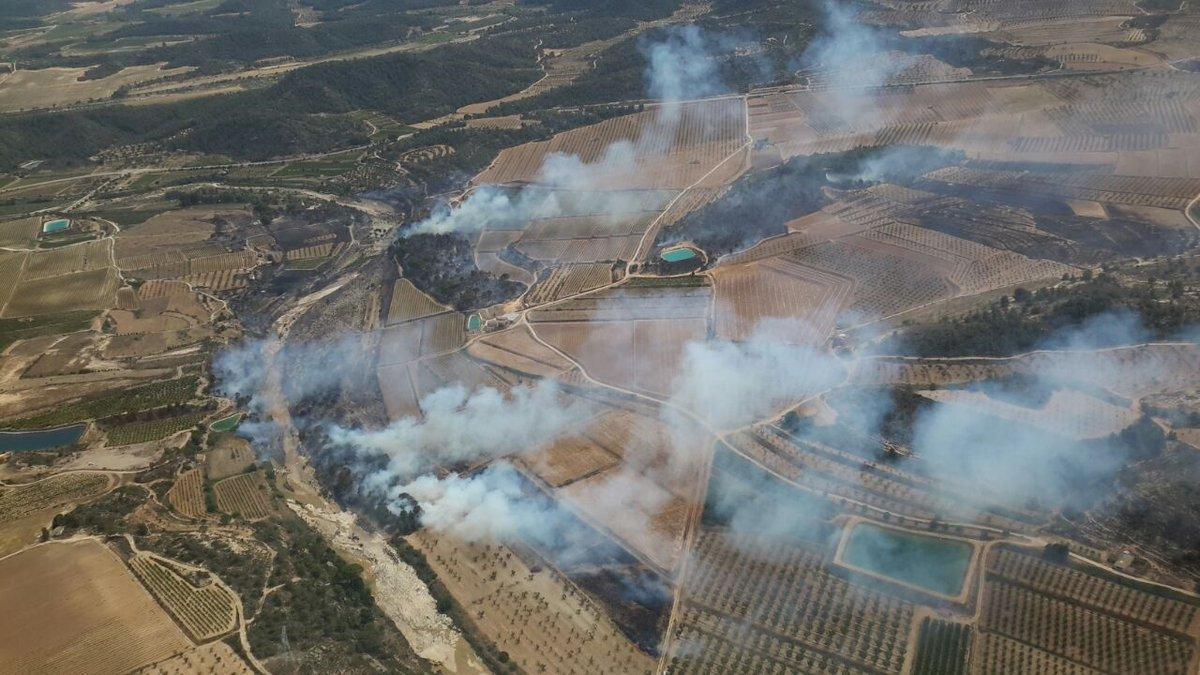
(464, 426)
(679, 68)
(731, 385)
(723, 386)
(852, 59)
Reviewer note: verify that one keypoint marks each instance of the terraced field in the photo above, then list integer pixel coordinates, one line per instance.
(52, 492)
(567, 280)
(205, 612)
(187, 494)
(247, 496)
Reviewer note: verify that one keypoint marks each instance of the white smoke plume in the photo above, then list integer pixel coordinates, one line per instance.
(680, 67)
(733, 384)
(849, 59)
(461, 425)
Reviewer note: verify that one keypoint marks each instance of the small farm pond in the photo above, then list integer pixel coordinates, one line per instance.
(56, 226)
(932, 563)
(43, 439)
(474, 322)
(678, 255)
(226, 423)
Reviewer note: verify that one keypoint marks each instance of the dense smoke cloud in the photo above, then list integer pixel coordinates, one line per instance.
(460, 425)
(850, 59)
(733, 384)
(682, 66)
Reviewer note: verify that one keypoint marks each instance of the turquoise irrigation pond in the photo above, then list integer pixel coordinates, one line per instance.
(44, 439)
(679, 255)
(56, 226)
(932, 563)
(474, 322)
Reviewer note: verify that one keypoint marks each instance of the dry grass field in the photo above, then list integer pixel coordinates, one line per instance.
(205, 612)
(231, 455)
(246, 496)
(73, 607)
(50, 87)
(672, 148)
(544, 623)
(187, 494)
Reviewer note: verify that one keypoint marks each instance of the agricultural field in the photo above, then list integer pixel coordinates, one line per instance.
(942, 648)
(53, 87)
(21, 233)
(1081, 627)
(230, 456)
(247, 496)
(187, 494)
(622, 473)
(531, 613)
(518, 350)
(631, 336)
(407, 303)
(673, 147)
(214, 657)
(75, 607)
(53, 492)
(777, 288)
(567, 280)
(1068, 412)
(816, 622)
(764, 258)
(143, 432)
(205, 612)
(76, 292)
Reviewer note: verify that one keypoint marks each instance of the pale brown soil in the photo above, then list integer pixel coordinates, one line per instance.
(74, 607)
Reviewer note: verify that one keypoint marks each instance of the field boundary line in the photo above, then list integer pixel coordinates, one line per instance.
(652, 229)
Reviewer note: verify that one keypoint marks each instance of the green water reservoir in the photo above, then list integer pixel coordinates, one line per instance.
(56, 226)
(226, 423)
(935, 564)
